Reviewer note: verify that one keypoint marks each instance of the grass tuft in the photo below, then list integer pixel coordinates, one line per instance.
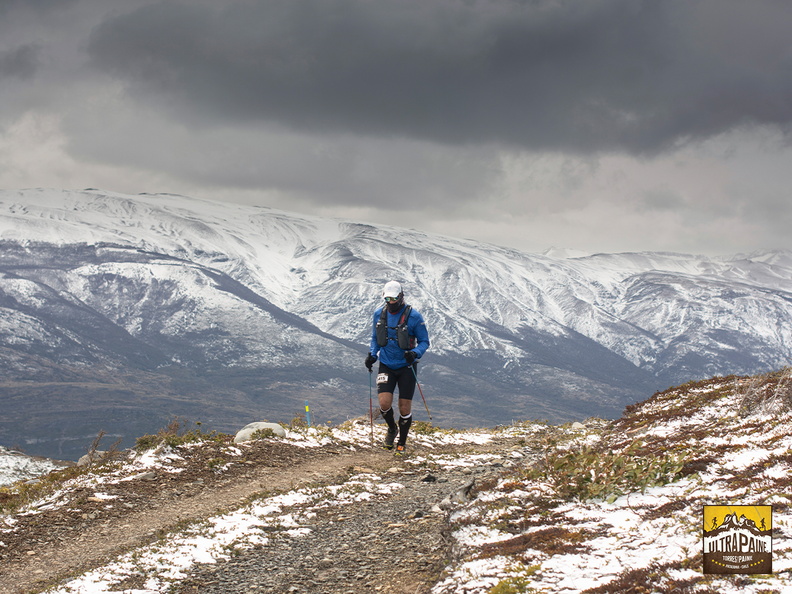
(175, 434)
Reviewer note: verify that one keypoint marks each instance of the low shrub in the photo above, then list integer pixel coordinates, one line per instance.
(592, 473)
(175, 434)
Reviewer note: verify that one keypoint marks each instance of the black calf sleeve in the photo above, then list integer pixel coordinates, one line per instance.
(388, 416)
(404, 428)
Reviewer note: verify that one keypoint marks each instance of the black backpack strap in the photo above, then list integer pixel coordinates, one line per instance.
(404, 339)
(382, 328)
(405, 315)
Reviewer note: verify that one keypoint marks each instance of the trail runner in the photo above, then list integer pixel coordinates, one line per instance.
(398, 339)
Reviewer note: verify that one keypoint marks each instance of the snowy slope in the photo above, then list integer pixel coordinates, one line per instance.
(15, 466)
(606, 509)
(274, 307)
(323, 269)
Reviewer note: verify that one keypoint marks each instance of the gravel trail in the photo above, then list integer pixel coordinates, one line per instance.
(396, 543)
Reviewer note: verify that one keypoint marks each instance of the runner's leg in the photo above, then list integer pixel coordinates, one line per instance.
(386, 382)
(406, 391)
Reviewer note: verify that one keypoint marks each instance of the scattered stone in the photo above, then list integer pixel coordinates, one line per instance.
(246, 433)
(362, 470)
(92, 457)
(463, 495)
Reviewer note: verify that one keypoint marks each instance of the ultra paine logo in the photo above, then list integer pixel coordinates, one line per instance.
(738, 539)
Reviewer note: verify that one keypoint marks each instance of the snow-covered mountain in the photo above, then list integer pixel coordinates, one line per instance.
(119, 312)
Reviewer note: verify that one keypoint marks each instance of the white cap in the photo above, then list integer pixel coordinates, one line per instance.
(392, 289)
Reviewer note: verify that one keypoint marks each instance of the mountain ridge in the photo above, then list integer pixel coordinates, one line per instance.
(227, 313)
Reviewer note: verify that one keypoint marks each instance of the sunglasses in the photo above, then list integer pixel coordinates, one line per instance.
(391, 299)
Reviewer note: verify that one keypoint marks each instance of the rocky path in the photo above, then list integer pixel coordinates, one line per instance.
(393, 543)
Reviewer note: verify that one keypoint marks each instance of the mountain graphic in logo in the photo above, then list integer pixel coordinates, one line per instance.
(738, 539)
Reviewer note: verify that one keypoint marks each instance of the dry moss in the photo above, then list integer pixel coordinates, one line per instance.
(552, 541)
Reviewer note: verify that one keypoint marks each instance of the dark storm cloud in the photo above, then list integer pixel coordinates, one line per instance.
(36, 5)
(20, 62)
(543, 74)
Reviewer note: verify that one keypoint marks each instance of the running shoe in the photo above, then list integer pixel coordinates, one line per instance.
(390, 436)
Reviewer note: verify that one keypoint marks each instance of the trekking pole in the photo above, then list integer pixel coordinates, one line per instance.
(421, 391)
(371, 407)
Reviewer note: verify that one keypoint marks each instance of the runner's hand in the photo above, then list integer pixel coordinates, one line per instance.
(410, 356)
(370, 360)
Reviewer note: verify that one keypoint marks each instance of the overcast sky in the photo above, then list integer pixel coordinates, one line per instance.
(594, 125)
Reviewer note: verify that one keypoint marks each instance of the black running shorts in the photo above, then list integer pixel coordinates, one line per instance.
(388, 379)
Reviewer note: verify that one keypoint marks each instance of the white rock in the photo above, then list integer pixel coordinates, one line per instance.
(89, 459)
(246, 433)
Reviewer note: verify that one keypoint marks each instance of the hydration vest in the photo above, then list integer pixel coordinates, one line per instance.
(406, 342)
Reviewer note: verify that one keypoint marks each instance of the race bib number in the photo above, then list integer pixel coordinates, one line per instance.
(382, 378)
